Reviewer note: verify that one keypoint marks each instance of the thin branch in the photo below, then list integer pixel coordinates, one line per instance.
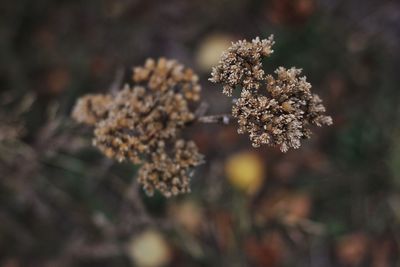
(221, 118)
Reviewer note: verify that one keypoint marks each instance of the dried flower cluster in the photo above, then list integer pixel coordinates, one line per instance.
(241, 65)
(141, 123)
(273, 111)
(169, 170)
(168, 75)
(138, 120)
(91, 108)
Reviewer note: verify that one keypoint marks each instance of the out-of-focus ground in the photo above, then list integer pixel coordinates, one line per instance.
(333, 202)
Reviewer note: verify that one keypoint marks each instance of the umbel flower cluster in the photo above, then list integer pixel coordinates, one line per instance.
(141, 123)
(274, 110)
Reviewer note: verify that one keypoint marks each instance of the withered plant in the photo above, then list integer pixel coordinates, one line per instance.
(142, 123)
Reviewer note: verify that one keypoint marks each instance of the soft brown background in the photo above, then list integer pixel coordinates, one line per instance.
(333, 202)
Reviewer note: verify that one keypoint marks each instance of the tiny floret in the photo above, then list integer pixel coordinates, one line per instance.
(91, 108)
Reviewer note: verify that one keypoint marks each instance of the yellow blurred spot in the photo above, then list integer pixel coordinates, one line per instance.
(210, 50)
(245, 171)
(149, 249)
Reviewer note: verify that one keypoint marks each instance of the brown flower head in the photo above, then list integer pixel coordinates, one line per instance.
(169, 170)
(273, 111)
(282, 116)
(164, 75)
(91, 108)
(138, 119)
(136, 122)
(241, 65)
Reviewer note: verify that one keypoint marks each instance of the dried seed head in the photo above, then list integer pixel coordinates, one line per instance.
(282, 116)
(241, 65)
(135, 123)
(91, 108)
(164, 75)
(138, 119)
(168, 171)
(281, 113)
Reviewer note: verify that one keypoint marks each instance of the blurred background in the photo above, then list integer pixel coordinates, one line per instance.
(333, 202)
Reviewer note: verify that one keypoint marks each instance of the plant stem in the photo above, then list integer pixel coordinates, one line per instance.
(221, 118)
